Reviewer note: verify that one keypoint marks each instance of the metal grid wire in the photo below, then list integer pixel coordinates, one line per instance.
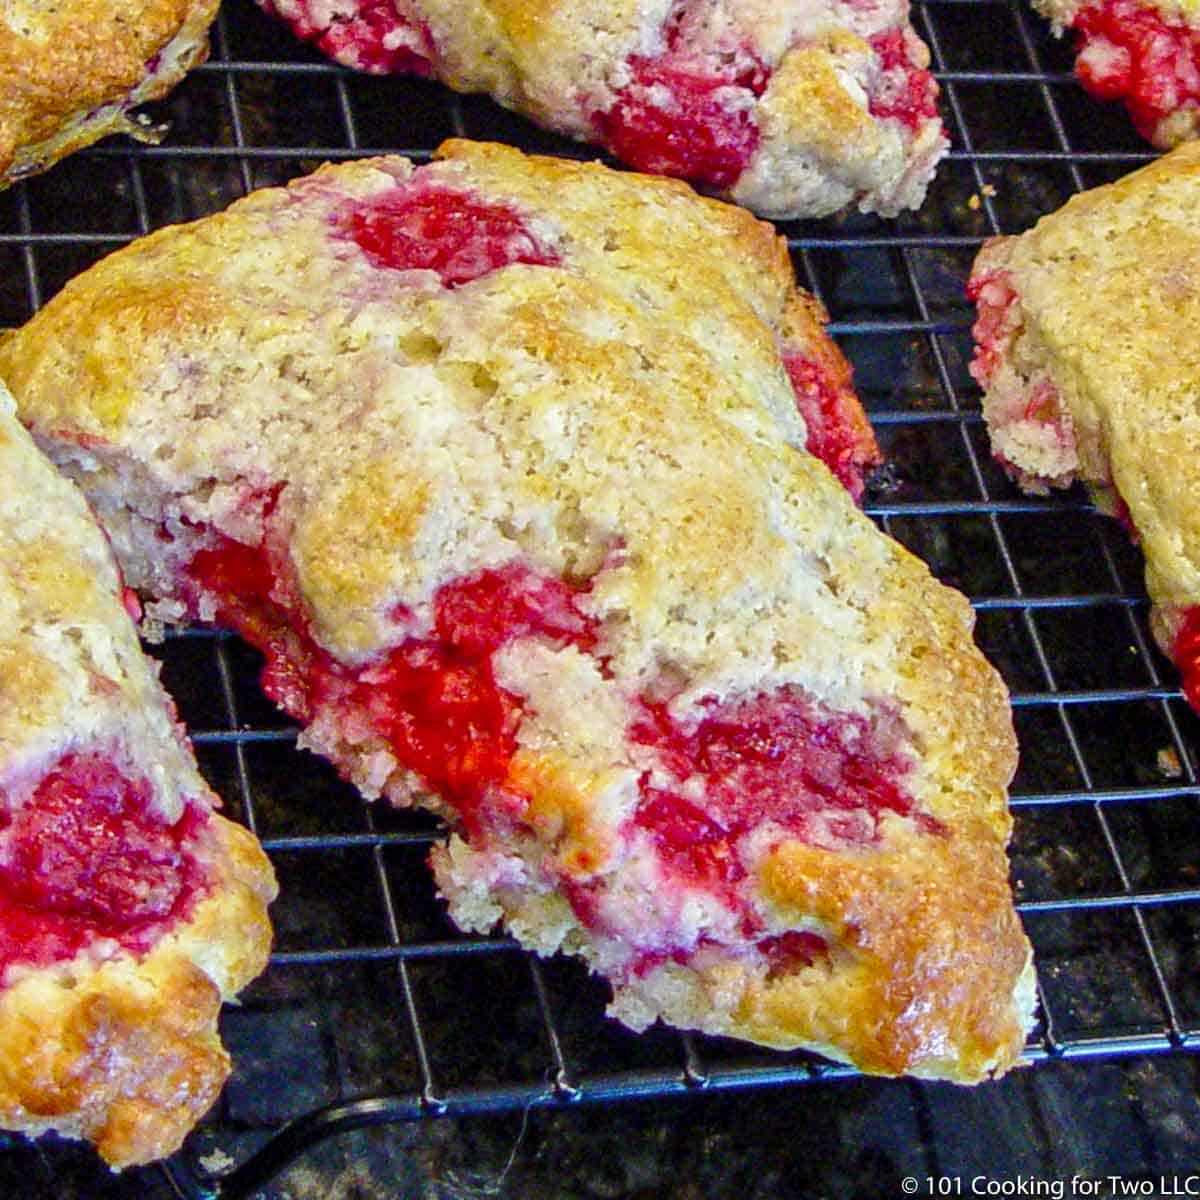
(371, 993)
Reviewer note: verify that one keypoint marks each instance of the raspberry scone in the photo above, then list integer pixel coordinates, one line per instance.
(1143, 52)
(499, 463)
(72, 72)
(793, 109)
(1088, 348)
(128, 907)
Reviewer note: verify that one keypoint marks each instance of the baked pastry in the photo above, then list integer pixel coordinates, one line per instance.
(497, 462)
(1088, 351)
(71, 72)
(1142, 52)
(790, 109)
(128, 907)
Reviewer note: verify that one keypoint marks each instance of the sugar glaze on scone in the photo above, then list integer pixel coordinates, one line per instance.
(1088, 348)
(1143, 52)
(72, 72)
(499, 462)
(128, 908)
(793, 109)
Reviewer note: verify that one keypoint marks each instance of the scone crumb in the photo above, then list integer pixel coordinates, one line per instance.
(216, 1162)
(1168, 763)
(976, 200)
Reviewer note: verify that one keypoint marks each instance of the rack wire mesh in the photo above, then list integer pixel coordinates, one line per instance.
(374, 1008)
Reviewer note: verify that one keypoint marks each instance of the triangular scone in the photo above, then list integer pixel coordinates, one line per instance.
(72, 72)
(128, 908)
(1088, 348)
(529, 534)
(792, 108)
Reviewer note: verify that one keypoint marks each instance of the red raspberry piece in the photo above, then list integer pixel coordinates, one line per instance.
(439, 229)
(1131, 52)
(835, 433)
(86, 857)
(908, 92)
(777, 757)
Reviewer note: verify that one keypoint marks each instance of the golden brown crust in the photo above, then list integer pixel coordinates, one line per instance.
(802, 313)
(924, 959)
(126, 1053)
(624, 420)
(70, 72)
(814, 104)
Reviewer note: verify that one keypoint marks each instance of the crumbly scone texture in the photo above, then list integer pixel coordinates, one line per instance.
(808, 85)
(1143, 52)
(615, 419)
(1106, 312)
(70, 73)
(117, 1047)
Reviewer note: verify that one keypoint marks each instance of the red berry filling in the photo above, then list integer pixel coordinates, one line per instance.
(787, 951)
(779, 758)
(373, 38)
(85, 857)
(131, 604)
(1185, 653)
(673, 120)
(782, 757)
(688, 111)
(837, 435)
(434, 700)
(441, 229)
(1035, 401)
(1130, 51)
(994, 296)
(906, 92)
(1121, 513)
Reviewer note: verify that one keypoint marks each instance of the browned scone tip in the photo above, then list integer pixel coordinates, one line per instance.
(128, 908)
(72, 72)
(126, 1053)
(508, 466)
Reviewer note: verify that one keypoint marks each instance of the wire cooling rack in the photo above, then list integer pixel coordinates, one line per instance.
(374, 1009)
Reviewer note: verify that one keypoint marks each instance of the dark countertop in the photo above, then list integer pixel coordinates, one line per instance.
(1137, 1118)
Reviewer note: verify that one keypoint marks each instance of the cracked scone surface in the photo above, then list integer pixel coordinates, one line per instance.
(128, 908)
(500, 463)
(71, 72)
(792, 109)
(1087, 349)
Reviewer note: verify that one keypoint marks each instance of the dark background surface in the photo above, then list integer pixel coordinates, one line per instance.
(372, 993)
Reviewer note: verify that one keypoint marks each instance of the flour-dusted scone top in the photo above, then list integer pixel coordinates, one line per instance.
(1105, 310)
(111, 1043)
(600, 430)
(71, 72)
(791, 109)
